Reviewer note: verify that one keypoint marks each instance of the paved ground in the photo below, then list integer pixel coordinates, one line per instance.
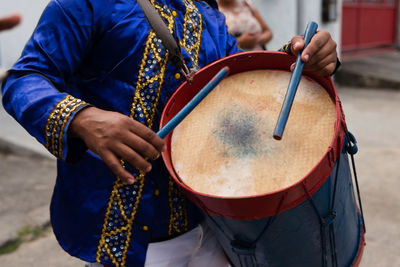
(373, 117)
(44, 252)
(26, 184)
(376, 71)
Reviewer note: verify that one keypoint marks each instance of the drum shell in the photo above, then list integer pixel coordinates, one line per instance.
(327, 228)
(254, 207)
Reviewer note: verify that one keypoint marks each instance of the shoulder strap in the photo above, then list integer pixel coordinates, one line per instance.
(159, 27)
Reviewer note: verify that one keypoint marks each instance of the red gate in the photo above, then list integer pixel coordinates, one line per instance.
(368, 23)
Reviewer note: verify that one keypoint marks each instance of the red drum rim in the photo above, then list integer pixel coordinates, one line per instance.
(273, 203)
(360, 251)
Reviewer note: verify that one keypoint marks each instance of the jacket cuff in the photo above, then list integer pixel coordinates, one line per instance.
(56, 137)
(287, 48)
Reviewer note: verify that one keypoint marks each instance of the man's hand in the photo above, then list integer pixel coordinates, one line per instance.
(320, 55)
(114, 136)
(9, 21)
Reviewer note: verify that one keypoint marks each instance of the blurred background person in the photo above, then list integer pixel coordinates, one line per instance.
(245, 24)
(6, 23)
(9, 21)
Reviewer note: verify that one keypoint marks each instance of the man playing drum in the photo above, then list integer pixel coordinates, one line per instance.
(90, 86)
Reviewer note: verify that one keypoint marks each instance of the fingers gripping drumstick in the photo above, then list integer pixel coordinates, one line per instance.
(293, 84)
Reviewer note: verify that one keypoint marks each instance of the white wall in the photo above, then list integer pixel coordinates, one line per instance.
(312, 10)
(281, 17)
(12, 42)
(287, 18)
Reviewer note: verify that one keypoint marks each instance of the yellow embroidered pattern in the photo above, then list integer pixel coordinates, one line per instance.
(51, 121)
(192, 31)
(77, 104)
(178, 217)
(124, 200)
(57, 121)
(148, 88)
(191, 41)
(117, 229)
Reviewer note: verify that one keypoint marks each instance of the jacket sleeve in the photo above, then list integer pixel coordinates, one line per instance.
(221, 33)
(35, 92)
(231, 43)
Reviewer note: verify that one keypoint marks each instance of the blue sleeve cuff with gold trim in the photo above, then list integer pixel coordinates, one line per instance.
(57, 126)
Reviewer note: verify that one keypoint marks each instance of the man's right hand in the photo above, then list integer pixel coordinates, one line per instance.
(114, 136)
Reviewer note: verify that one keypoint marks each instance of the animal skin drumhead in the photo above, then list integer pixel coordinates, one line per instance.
(224, 147)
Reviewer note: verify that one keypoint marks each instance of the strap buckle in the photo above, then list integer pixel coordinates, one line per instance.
(186, 72)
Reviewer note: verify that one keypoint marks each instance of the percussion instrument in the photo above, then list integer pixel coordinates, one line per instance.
(270, 203)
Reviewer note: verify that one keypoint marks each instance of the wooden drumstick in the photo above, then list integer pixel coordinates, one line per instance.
(293, 83)
(167, 128)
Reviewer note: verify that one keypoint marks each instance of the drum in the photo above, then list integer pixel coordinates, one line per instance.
(269, 202)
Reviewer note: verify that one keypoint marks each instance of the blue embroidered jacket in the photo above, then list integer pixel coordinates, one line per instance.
(103, 52)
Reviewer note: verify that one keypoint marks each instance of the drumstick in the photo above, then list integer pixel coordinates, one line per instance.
(167, 128)
(293, 83)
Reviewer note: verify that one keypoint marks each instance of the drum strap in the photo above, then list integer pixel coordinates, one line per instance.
(352, 149)
(162, 31)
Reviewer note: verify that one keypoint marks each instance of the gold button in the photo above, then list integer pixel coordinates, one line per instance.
(174, 13)
(156, 192)
(177, 75)
(145, 228)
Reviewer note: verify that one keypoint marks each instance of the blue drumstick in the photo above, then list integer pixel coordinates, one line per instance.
(293, 84)
(193, 103)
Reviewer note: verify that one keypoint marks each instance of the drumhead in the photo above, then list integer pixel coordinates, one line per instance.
(224, 147)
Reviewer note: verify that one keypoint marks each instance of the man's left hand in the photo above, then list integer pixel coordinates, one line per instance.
(320, 55)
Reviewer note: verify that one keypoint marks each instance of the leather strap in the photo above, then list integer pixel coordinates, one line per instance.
(159, 27)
